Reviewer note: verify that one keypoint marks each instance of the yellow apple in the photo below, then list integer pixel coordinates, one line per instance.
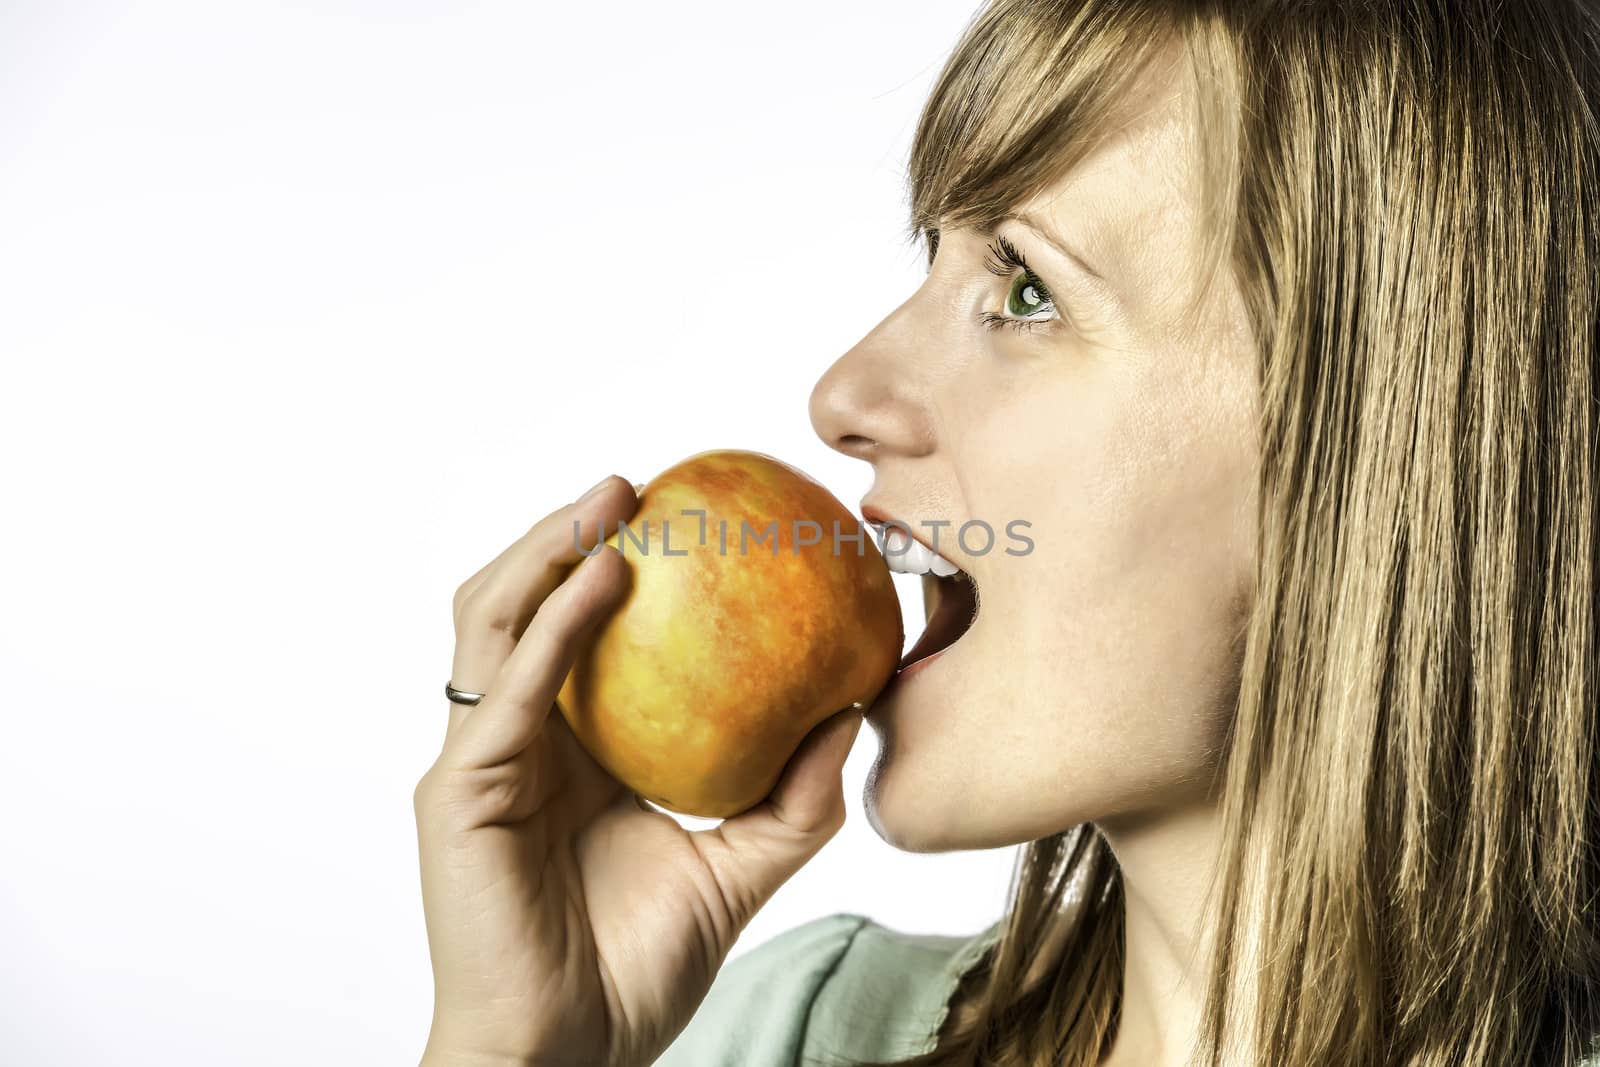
(758, 607)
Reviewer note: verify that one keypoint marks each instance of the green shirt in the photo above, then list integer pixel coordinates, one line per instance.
(839, 987)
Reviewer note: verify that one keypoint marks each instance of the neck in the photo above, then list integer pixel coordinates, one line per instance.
(1167, 859)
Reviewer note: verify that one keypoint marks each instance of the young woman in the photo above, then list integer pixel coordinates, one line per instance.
(1277, 322)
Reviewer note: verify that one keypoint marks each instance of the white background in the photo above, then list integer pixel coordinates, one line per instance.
(306, 310)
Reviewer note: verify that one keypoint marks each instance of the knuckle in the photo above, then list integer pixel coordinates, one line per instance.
(541, 530)
(497, 801)
(481, 613)
(422, 794)
(545, 536)
(557, 619)
(835, 820)
(483, 796)
(557, 607)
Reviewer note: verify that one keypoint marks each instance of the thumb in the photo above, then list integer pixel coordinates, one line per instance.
(771, 841)
(810, 792)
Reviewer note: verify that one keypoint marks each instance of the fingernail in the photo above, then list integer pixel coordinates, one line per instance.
(601, 484)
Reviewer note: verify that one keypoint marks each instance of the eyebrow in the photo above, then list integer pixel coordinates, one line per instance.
(1045, 234)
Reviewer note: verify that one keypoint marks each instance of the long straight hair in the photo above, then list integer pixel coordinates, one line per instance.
(1407, 197)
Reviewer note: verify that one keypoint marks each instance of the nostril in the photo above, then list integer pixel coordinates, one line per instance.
(861, 407)
(854, 444)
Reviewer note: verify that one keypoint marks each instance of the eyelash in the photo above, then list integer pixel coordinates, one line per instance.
(1005, 262)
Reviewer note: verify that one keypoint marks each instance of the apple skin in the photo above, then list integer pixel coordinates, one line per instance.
(700, 686)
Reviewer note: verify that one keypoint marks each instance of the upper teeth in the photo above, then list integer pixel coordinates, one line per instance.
(907, 555)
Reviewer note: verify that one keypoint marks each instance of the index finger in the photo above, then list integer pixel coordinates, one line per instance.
(492, 615)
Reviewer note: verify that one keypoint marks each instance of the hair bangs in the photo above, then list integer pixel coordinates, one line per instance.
(1034, 89)
(1026, 95)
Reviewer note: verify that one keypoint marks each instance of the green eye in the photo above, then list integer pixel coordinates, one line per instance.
(1026, 297)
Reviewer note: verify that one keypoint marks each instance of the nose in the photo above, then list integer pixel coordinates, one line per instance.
(867, 405)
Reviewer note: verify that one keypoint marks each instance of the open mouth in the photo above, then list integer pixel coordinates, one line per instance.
(951, 604)
(949, 595)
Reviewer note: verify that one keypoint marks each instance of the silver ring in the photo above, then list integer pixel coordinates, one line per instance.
(456, 696)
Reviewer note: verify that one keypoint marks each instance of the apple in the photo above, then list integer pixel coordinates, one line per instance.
(747, 621)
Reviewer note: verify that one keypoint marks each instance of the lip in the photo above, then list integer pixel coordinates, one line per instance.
(901, 678)
(917, 665)
(874, 514)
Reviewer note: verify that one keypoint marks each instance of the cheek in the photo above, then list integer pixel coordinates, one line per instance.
(1119, 632)
(1100, 675)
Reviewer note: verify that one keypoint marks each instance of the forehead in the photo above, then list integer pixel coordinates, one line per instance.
(1127, 205)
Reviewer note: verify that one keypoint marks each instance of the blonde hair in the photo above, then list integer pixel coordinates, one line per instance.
(1406, 195)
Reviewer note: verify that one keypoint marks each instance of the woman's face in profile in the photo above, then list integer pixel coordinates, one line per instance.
(1097, 678)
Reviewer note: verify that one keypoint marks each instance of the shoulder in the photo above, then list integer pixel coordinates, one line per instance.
(890, 993)
(838, 988)
(756, 1010)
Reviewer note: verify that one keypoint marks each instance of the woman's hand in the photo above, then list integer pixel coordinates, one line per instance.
(569, 923)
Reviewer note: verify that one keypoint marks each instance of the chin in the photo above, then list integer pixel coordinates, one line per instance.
(906, 823)
(936, 815)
